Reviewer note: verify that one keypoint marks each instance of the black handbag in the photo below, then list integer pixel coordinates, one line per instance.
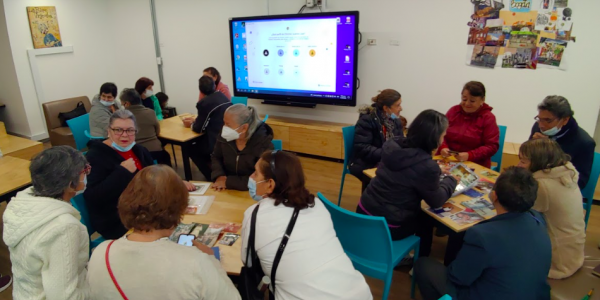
(78, 111)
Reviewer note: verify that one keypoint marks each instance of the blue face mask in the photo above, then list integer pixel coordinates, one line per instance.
(552, 131)
(252, 189)
(393, 116)
(122, 149)
(106, 103)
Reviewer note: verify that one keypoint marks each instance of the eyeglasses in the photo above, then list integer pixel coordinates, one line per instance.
(545, 120)
(87, 170)
(119, 131)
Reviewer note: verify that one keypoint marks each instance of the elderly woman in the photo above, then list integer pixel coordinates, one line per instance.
(243, 139)
(152, 205)
(49, 247)
(103, 106)
(115, 161)
(145, 87)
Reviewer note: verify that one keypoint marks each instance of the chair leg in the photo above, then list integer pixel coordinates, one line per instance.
(587, 212)
(386, 284)
(342, 186)
(174, 157)
(413, 283)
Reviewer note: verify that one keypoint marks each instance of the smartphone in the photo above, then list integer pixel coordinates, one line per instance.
(186, 239)
(453, 152)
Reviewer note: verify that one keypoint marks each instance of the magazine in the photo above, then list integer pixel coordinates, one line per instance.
(480, 206)
(210, 237)
(465, 217)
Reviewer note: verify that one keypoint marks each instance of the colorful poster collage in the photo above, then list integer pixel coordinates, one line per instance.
(519, 34)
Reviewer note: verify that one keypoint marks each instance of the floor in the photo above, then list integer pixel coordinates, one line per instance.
(324, 176)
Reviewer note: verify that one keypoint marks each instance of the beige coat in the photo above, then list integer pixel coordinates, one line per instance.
(559, 199)
(148, 127)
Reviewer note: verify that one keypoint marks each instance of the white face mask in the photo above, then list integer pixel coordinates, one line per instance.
(149, 93)
(84, 186)
(230, 134)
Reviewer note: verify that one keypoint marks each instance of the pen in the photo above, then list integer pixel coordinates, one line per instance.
(587, 297)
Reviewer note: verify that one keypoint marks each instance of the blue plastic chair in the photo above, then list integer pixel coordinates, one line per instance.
(239, 100)
(348, 133)
(497, 158)
(368, 243)
(79, 203)
(590, 188)
(78, 127)
(265, 119)
(446, 297)
(277, 144)
(91, 137)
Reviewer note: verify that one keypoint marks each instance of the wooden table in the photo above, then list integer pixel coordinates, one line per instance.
(228, 207)
(19, 147)
(14, 174)
(173, 132)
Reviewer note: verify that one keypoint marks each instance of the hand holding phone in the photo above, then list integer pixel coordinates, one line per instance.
(186, 239)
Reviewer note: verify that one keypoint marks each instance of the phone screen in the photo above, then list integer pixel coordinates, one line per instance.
(186, 239)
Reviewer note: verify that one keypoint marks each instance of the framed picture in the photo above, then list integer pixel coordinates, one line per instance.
(44, 26)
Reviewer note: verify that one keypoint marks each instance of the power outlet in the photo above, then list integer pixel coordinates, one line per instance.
(310, 3)
(371, 42)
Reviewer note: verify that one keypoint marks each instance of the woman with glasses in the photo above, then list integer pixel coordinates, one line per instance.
(555, 121)
(49, 247)
(115, 160)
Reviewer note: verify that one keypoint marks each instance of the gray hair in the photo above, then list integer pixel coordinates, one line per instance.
(54, 170)
(243, 114)
(123, 115)
(558, 106)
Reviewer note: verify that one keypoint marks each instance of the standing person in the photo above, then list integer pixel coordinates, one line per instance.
(49, 247)
(376, 124)
(555, 121)
(473, 134)
(145, 87)
(220, 86)
(505, 257)
(103, 106)
(559, 200)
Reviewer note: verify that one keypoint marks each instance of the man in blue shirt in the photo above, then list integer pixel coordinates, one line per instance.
(505, 257)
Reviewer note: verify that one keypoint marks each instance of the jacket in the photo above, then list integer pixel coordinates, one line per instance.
(106, 182)
(100, 116)
(578, 144)
(210, 114)
(49, 248)
(153, 104)
(476, 133)
(147, 126)
(237, 165)
(368, 140)
(404, 177)
(505, 257)
(222, 88)
(559, 200)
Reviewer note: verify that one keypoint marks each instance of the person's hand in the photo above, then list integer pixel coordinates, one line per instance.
(203, 248)
(458, 178)
(220, 183)
(445, 152)
(129, 165)
(445, 169)
(113, 108)
(187, 122)
(190, 187)
(539, 135)
(462, 156)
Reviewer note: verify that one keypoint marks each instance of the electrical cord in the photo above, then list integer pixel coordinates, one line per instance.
(302, 9)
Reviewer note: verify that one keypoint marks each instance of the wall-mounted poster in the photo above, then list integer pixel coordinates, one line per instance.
(44, 26)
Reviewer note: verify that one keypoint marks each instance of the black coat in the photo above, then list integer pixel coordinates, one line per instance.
(106, 182)
(237, 165)
(210, 117)
(578, 144)
(404, 177)
(368, 140)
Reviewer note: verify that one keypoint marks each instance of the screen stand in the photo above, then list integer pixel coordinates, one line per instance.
(287, 103)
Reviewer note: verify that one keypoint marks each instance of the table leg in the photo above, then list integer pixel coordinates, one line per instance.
(186, 160)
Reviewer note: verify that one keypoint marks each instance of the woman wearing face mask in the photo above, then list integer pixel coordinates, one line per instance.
(115, 160)
(313, 265)
(103, 106)
(473, 134)
(376, 124)
(49, 247)
(555, 121)
(243, 139)
(144, 87)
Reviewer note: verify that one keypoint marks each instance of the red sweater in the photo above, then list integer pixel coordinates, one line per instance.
(476, 133)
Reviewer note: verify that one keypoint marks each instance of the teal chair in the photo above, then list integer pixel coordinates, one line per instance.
(277, 144)
(78, 127)
(91, 137)
(590, 188)
(497, 158)
(446, 297)
(367, 242)
(348, 133)
(79, 203)
(239, 100)
(265, 119)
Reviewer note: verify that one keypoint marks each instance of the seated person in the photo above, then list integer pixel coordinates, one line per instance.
(376, 124)
(152, 205)
(559, 200)
(313, 265)
(103, 106)
(144, 86)
(407, 175)
(555, 121)
(473, 134)
(220, 86)
(243, 139)
(163, 100)
(148, 127)
(49, 246)
(115, 161)
(505, 257)
(209, 121)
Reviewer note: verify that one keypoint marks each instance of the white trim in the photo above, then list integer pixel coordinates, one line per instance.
(51, 50)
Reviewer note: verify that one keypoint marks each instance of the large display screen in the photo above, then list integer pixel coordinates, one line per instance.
(307, 58)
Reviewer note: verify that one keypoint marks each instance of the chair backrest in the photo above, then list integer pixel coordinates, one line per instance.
(365, 239)
(277, 144)
(348, 133)
(590, 187)
(265, 119)
(497, 158)
(91, 137)
(52, 109)
(78, 127)
(239, 100)
(79, 203)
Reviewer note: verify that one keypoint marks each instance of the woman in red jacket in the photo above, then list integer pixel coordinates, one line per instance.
(473, 133)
